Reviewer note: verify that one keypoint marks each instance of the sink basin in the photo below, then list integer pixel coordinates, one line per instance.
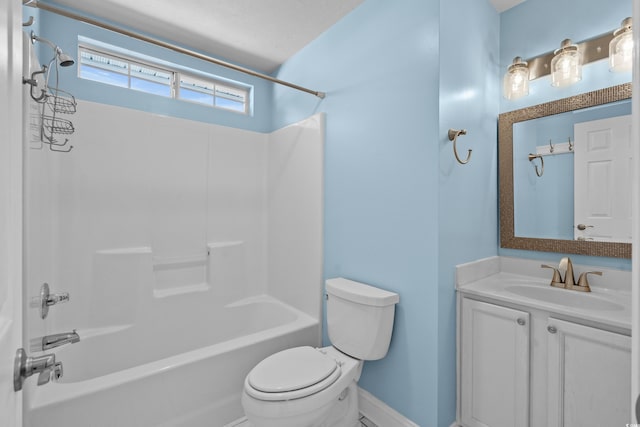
(565, 297)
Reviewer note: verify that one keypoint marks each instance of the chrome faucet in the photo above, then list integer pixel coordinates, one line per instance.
(56, 340)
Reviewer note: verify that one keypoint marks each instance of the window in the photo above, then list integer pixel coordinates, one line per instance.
(116, 70)
(211, 93)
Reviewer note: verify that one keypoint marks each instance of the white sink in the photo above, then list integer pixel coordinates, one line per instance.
(577, 299)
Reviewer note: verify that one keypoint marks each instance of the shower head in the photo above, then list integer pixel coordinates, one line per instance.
(63, 59)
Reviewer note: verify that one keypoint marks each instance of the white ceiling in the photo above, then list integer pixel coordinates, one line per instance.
(259, 34)
(502, 5)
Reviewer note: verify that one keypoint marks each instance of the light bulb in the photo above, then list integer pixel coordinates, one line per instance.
(516, 80)
(566, 65)
(621, 48)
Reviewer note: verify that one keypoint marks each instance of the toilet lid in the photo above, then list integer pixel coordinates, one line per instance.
(292, 369)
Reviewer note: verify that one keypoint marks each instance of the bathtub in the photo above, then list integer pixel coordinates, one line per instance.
(161, 372)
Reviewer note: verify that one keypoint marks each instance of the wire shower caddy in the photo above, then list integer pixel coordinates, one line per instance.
(53, 102)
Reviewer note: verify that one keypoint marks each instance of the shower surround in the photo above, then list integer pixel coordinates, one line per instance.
(190, 252)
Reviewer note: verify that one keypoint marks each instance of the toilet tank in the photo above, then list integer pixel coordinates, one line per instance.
(360, 318)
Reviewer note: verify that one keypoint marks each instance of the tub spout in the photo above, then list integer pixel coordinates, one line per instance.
(56, 340)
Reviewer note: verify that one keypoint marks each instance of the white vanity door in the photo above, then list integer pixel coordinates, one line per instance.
(589, 376)
(494, 365)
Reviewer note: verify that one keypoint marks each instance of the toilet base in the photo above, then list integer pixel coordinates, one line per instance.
(340, 412)
(345, 412)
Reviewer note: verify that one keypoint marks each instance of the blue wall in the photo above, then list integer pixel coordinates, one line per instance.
(64, 32)
(538, 26)
(400, 213)
(468, 199)
(379, 67)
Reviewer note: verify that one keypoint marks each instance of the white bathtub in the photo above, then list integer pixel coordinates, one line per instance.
(163, 373)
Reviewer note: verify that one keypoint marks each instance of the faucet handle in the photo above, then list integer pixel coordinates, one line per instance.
(43, 366)
(556, 280)
(44, 376)
(58, 298)
(583, 283)
(47, 299)
(52, 373)
(24, 367)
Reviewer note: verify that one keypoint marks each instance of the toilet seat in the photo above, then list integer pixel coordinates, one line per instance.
(292, 374)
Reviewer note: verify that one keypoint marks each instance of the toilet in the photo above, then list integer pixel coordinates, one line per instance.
(317, 387)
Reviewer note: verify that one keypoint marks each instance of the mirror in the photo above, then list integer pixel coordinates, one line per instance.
(539, 212)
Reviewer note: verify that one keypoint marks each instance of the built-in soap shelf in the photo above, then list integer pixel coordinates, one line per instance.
(171, 263)
(176, 275)
(180, 275)
(181, 290)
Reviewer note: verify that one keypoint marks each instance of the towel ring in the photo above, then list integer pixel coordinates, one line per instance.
(453, 136)
(537, 156)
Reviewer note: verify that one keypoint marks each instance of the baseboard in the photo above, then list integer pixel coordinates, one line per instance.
(240, 422)
(371, 407)
(380, 413)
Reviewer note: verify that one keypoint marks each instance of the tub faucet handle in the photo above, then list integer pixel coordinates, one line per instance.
(52, 373)
(47, 299)
(44, 377)
(24, 367)
(58, 298)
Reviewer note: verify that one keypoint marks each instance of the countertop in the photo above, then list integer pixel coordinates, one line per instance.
(602, 306)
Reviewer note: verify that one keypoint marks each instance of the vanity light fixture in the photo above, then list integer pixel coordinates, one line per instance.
(566, 65)
(516, 81)
(621, 48)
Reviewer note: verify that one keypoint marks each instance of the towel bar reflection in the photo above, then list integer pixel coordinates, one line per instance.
(532, 157)
(453, 136)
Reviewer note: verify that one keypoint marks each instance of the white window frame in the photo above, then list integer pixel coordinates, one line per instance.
(175, 79)
(214, 84)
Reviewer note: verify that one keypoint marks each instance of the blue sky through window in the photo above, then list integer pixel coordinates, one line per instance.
(150, 87)
(99, 75)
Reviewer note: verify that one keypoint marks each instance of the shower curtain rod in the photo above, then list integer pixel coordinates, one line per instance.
(175, 48)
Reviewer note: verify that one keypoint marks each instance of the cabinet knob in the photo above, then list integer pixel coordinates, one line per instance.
(552, 329)
(521, 321)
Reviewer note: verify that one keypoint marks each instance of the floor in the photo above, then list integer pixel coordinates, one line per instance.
(364, 422)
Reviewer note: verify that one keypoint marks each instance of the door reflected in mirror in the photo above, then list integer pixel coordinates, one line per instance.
(583, 190)
(564, 169)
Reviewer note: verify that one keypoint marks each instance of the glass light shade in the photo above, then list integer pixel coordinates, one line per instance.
(621, 48)
(515, 83)
(566, 65)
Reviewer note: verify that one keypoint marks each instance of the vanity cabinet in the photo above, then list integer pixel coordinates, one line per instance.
(521, 367)
(495, 365)
(589, 376)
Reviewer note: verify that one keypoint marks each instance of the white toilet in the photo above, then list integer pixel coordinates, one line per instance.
(317, 387)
